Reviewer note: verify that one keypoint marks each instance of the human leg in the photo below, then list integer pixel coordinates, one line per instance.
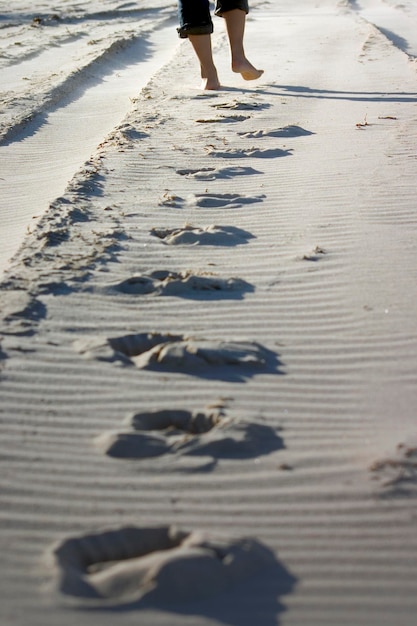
(202, 48)
(234, 12)
(196, 25)
(235, 25)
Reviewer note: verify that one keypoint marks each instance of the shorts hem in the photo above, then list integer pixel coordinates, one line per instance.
(185, 31)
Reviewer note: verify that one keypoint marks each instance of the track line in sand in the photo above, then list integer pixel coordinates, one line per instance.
(38, 166)
(395, 21)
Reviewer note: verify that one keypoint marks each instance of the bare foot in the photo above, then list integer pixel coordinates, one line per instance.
(209, 79)
(246, 69)
(208, 84)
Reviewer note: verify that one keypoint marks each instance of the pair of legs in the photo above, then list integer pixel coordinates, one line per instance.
(198, 29)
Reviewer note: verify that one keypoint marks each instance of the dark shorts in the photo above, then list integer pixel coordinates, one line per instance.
(194, 15)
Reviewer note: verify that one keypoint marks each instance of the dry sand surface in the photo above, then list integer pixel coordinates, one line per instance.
(208, 334)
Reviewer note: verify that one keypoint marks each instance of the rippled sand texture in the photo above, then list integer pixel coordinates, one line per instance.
(68, 72)
(208, 340)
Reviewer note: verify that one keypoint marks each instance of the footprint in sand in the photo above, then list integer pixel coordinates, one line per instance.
(193, 173)
(132, 134)
(20, 312)
(315, 255)
(241, 105)
(222, 200)
(184, 284)
(169, 199)
(398, 472)
(242, 153)
(223, 119)
(286, 132)
(184, 433)
(213, 173)
(211, 235)
(209, 200)
(176, 353)
(154, 566)
(232, 172)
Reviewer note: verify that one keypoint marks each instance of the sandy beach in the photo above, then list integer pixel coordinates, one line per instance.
(208, 318)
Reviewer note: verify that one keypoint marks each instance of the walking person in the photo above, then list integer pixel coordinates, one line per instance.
(196, 25)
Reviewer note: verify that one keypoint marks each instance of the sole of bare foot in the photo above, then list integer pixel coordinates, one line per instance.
(252, 75)
(247, 71)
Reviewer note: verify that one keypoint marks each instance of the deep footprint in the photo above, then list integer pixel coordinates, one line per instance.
(191, 173)
(222, 200)
(242, 153)
(212, 173)
(204, 200)
(185, 433)
(286, 131)
(185, 284)
(211, 235)
(223, 119)
(176, 353)
(141, 567)
(240, 105)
